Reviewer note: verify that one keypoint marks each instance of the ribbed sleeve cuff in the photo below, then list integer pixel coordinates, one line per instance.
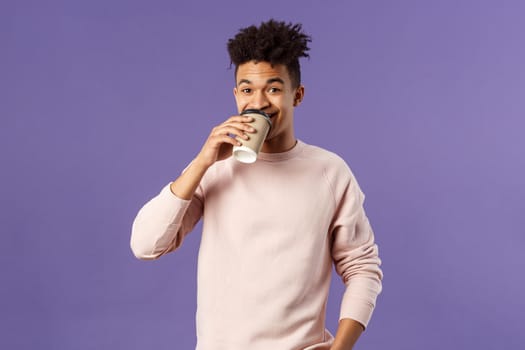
(359, 300)
(154, 227)
(174, 207)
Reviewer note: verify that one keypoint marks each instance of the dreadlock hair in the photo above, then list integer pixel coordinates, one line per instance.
(274, 42)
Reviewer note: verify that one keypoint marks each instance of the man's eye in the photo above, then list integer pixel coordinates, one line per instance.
(246, 91)
(274, 90)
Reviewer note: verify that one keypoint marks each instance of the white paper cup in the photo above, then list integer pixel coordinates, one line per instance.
(248, 151)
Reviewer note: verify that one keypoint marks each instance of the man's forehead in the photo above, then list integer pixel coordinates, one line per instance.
(261, 72)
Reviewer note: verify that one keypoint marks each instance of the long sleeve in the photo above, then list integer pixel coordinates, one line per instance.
(162, 223)
(354, 253)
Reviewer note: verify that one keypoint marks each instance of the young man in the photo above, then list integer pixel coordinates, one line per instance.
(271, 229)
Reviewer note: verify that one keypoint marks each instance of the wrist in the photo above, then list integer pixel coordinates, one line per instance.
(200, 164)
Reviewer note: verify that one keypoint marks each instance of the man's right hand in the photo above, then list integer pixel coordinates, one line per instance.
(218, 146)
(222, 138)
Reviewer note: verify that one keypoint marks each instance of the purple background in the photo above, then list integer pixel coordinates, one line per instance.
(104, 102)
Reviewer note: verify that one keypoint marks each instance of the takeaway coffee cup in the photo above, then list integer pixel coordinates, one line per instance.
(249, 149)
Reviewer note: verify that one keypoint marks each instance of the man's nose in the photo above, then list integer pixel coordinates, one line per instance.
(259, 101)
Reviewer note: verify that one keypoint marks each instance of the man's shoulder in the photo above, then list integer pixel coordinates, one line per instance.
(323, 156)
(334, 167)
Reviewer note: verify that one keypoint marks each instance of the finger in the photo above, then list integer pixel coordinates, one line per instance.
(222, 139)
(240, 119)
(240, 126)
(230, 130)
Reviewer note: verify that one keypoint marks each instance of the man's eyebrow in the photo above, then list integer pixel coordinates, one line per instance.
(244, 81)
(269, 81)
(275, 80)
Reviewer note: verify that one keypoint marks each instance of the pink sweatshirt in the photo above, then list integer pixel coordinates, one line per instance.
(271, 232)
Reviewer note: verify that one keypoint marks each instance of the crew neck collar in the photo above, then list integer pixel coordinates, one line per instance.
(276, 157)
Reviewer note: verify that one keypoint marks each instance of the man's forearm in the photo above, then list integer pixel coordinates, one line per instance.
(184, 187)
(347, 334)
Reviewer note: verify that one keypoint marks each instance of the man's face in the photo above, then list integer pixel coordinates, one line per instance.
(261, 86)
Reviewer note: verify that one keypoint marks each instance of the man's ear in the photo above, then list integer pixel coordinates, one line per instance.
(235, 91)
(299, 95)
